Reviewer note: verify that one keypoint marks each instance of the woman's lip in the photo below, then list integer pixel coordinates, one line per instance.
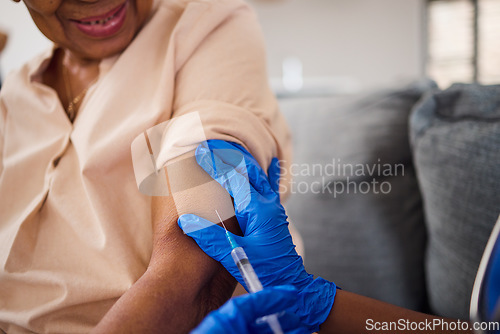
(100, 17)
(110, 27)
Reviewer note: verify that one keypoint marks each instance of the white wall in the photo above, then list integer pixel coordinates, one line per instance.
(375, 42)
(370, 42)
(25, 40)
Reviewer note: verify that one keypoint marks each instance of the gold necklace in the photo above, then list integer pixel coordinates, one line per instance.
(72, 109)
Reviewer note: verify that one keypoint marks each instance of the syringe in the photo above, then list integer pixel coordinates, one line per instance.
(252, 281)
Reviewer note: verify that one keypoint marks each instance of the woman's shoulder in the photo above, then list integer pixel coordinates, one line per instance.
(200, 18)
(29, 71)
(21, 82)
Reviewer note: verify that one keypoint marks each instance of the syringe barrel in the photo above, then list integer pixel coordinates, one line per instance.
(252, 281)
(246, 269)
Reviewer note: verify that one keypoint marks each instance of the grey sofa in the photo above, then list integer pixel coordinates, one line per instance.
(402, 223)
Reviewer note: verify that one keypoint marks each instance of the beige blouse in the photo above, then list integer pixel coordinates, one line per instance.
(75, 232)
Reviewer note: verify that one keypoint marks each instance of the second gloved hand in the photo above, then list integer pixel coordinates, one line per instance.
(240, 314)
(267, 240)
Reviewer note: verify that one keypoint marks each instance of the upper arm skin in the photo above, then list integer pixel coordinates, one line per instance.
(182, 284)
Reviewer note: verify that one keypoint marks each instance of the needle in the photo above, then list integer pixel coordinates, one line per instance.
(221, 220)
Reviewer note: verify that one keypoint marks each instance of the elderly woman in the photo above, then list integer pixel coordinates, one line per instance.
(81, 249)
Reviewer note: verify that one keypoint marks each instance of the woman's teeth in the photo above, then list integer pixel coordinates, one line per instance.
(103, 21)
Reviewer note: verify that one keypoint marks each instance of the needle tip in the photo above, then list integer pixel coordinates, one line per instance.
(220, 219)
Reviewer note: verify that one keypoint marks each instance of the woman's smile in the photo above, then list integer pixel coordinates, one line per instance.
(90, 29)
(102, 26)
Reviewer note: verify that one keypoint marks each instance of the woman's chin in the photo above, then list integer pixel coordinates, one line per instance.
(97, 50)
(87, 46)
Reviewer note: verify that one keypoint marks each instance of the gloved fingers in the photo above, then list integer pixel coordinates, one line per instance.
(233, 179)
(289, 322)
(271, 300)
(241, 191)
(225, 165)
(219, 157)
(209, 236)
(274, 174)
(257, 176)
(300, 330)
(239, 314)
(243, 314)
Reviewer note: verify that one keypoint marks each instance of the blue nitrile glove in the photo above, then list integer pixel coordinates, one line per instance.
(267, 240)
(239, 315)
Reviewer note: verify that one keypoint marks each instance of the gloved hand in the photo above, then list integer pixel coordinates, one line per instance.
(239, 315)
(267, 240)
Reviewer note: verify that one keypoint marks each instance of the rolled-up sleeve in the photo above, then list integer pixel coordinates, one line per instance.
(225, 81)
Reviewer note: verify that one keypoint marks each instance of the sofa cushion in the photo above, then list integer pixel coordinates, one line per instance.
(370, 242)
(456, 140)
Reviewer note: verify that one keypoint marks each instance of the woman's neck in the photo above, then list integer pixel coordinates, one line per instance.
(76, 64)
(70, 75)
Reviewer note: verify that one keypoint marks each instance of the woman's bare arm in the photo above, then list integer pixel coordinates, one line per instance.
(355, 314)
(182, 284)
